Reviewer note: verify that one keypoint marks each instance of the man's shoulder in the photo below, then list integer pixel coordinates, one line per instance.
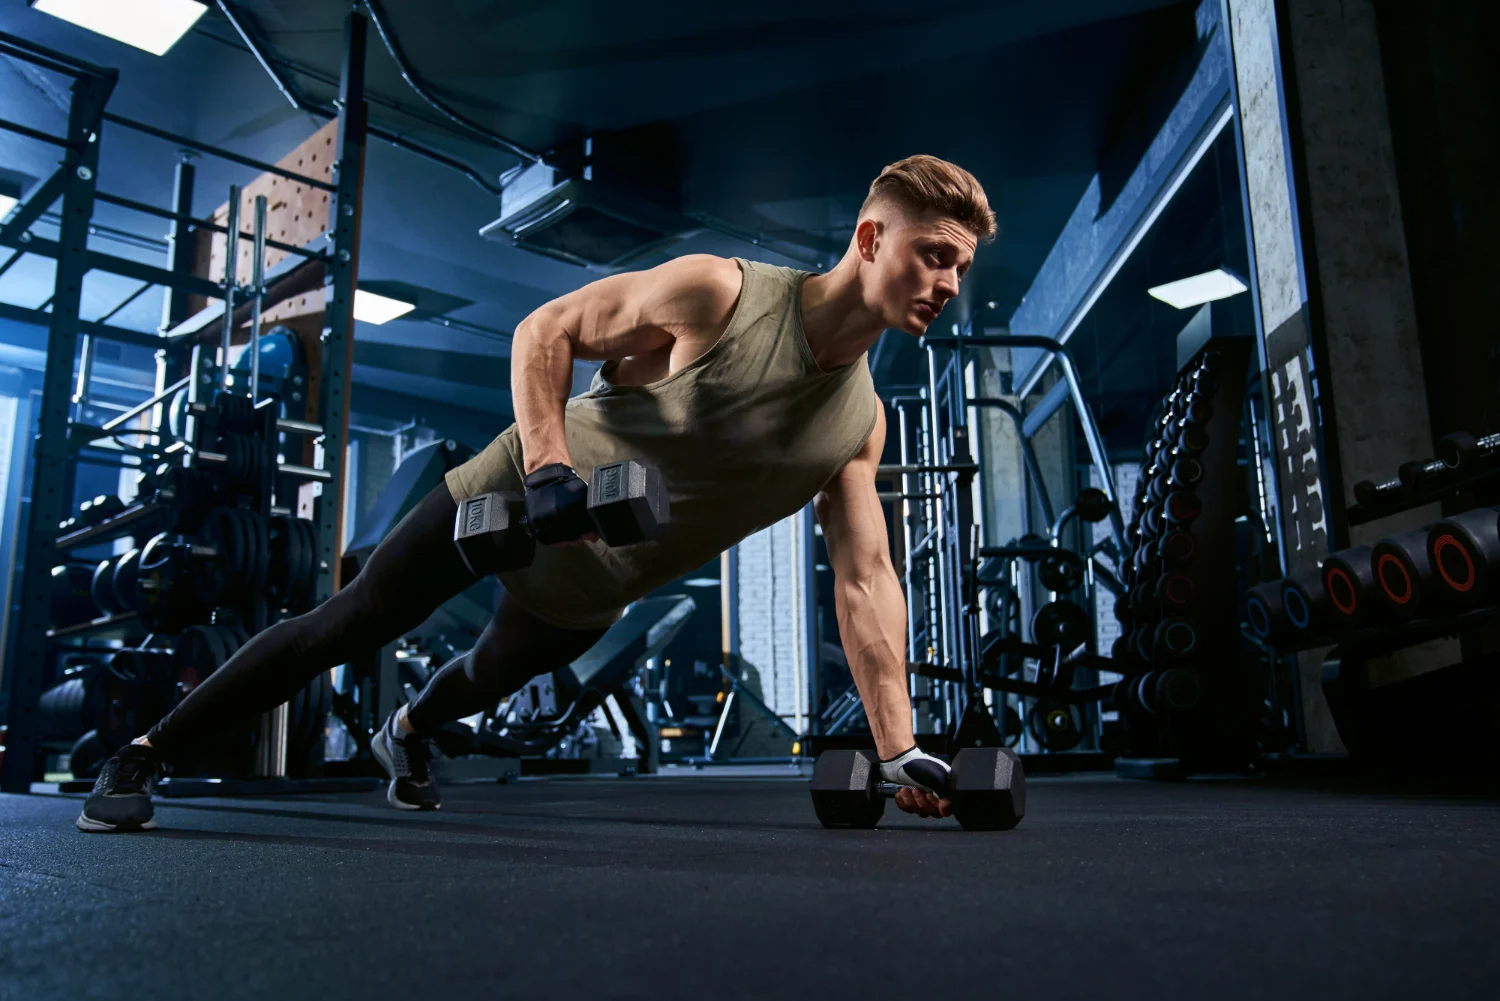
(705, 270)
(700, 283)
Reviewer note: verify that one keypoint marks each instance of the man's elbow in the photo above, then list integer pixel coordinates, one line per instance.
(545, 322)
(866, 577)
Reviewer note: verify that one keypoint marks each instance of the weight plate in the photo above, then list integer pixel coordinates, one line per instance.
(309, 562)
(308, 575)
(1056, 726)
(229, 447)
(1010, 727)
(247, 461)
(177, 414)
(254, 576)
(102, 588)
(71, 600)
(257, 472)
(245, 588)
(295, 546)
(230, 544)
(199, 653)
(1060, 571)
(245, 557)
(123, 581)
(225, 640)
(209, 574)
(278, 569)
(1060, 623)
(156, 583)
(1092, 504)
(263, 558)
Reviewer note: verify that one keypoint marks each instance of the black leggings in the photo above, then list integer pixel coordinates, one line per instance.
(414, 570)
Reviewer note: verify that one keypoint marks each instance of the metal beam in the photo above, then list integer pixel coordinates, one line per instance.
(51, 480)
(29, 211)
(1045, 408)
(223, 154)
(95, 261)
(37, 134)
(40, 55)
(195, 223)
(22, 314)
(342, 278)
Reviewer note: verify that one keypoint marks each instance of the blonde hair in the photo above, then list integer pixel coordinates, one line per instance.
(926, 183)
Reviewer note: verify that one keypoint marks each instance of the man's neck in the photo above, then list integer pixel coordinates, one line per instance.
(838, 324)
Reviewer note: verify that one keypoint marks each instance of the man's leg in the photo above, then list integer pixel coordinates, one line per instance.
(515, 647)
(414, 570)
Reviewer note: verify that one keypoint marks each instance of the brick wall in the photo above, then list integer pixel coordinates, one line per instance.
(770, 620)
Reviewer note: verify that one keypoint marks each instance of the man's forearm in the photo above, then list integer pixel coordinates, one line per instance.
(541, 376)
(872, 625)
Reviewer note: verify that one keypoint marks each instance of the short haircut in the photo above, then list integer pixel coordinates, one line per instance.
(925, 183)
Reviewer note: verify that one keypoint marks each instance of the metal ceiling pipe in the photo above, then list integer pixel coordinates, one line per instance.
(301, 103)
(377, 18)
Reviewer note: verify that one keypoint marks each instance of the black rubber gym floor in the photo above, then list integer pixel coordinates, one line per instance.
(708, 888)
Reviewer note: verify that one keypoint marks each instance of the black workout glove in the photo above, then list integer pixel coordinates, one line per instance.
(917, 769)
(557, 505)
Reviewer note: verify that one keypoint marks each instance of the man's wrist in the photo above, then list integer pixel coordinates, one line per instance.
(548, 473)
(531, 465)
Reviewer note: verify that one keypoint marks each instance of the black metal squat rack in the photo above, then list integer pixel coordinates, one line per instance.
(223, 543)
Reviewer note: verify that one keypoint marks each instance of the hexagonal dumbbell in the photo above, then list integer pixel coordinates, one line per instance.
(627, 503)
(987, 786)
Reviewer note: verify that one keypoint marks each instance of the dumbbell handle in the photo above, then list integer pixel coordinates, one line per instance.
(1455, 450)
(1374, 494)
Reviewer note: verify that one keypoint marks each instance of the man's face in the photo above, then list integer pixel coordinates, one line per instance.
(918, 262)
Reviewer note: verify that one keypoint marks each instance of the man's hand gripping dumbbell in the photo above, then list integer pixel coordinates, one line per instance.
(923, 782)
(623, 503)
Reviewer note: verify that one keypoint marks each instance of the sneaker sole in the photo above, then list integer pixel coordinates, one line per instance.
(377, 749)
(92, 826)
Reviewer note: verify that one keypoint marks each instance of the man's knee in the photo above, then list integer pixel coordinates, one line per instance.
(496, 675)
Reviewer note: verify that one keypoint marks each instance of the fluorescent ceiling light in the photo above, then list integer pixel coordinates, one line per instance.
(378, 309)
(7, 202)
(1195, 291)
(153, 25)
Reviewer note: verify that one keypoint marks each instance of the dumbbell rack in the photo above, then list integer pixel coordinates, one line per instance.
(951, 664)
(1434, 582)
(1183, 696)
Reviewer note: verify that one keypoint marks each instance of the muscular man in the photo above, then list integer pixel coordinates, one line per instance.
(745, 384)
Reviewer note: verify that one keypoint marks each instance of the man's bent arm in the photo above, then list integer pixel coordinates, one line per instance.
(616, 317)
(867, 596)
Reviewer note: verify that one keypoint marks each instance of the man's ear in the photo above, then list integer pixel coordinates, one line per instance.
(867, 237)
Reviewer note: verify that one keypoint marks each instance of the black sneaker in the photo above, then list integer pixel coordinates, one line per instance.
(121, 800)
(407, 759)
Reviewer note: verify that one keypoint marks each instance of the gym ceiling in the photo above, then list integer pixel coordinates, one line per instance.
(779, 113)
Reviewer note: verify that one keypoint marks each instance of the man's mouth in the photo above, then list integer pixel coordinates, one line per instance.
(929, 308)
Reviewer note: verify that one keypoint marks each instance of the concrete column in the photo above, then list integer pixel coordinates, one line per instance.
(1332, 277)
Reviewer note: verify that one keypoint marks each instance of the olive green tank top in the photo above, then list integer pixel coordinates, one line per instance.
(744, 436)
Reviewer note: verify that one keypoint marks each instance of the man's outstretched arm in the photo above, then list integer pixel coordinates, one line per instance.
(870, 606)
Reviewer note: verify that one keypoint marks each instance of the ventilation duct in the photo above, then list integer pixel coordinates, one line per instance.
(595, 218)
